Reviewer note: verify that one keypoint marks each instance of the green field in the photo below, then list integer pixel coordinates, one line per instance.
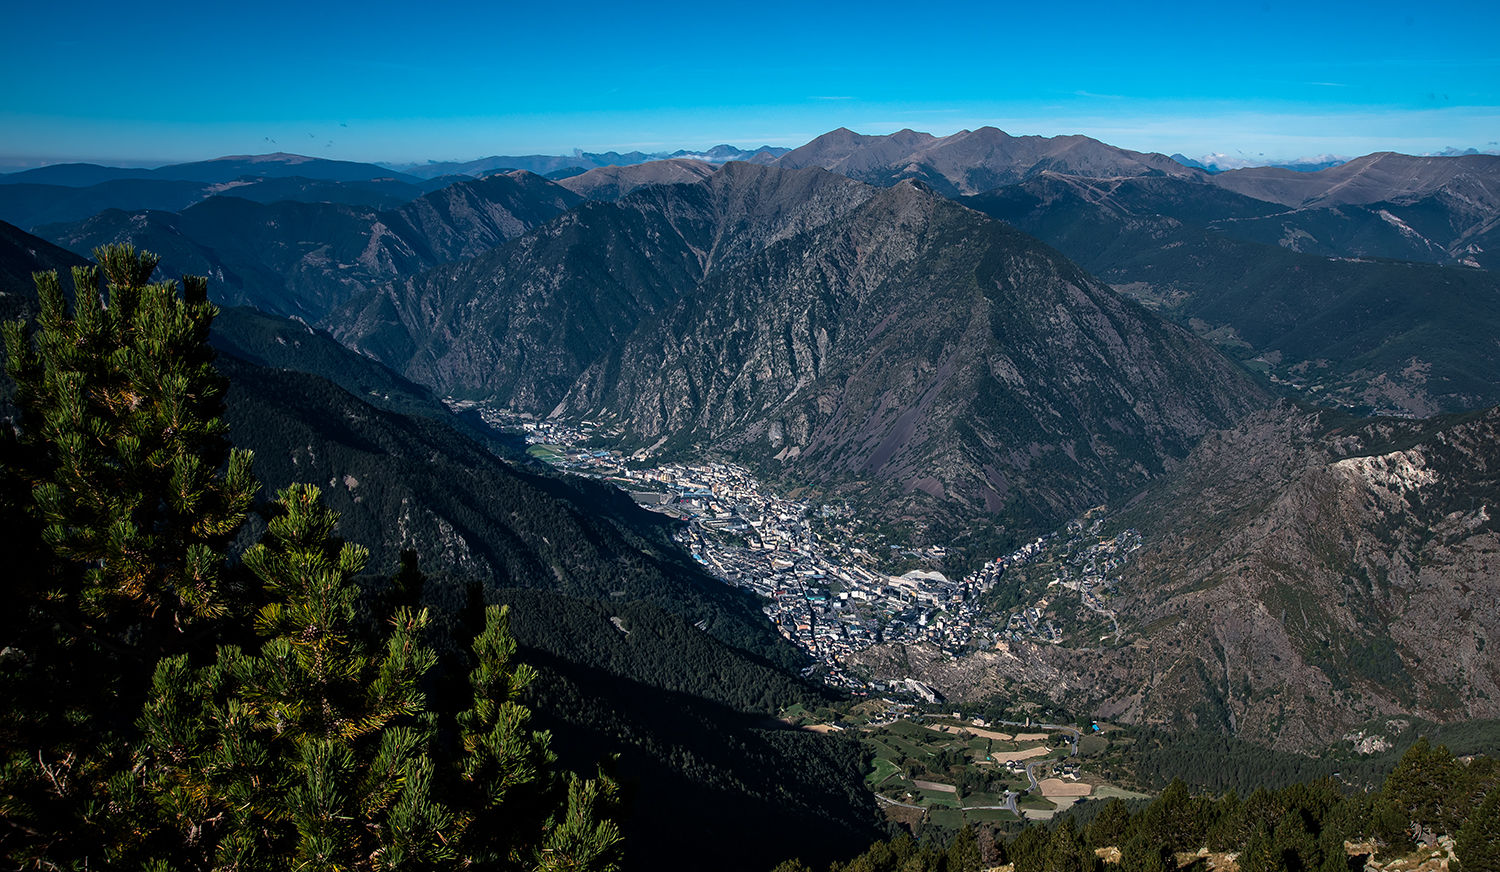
(987, 815)
(949, 818)
(937, 799)
(545, 453)
(884, 769)
(972, 799)
(1109, 791)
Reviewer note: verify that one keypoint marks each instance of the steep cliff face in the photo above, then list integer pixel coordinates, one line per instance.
(918, 348)
(520, 324)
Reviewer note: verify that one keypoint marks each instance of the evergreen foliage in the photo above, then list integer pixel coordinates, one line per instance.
(145, 728)
(122, 494)
(1478, 839)
(1303, 827)
(122, 419)
(1428, 787)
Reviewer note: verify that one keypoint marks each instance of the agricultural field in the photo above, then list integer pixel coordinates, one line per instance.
(957, 772)
(953, 771)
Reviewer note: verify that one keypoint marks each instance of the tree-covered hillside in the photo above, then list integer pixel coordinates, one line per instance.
(640, 658)
(173, 709)
(1433, 808)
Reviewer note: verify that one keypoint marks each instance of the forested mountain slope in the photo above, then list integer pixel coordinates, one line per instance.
(306, 259)
(1395, 337)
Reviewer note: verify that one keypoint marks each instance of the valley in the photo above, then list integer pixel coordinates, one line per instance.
(825, 577)
(912, 480)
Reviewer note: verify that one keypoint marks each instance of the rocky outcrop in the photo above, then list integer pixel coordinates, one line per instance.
(1305, 574)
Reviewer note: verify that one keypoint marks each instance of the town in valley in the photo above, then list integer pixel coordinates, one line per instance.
(821, 577)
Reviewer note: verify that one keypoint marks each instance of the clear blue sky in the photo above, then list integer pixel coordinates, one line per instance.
(160, 82)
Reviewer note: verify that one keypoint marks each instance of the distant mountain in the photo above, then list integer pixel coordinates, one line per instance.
(282, 257)
(547, 164)
(971, 161)
(724, 153)
(612, 183)
(1379, 335)
(73, 175)
(880, 341)
(470, 217)
(1218, 163)
(223, 169)
(278, 165)
(306, 259)
(1383, 176)
(33, 205)
(541, 164)
(1435, 209)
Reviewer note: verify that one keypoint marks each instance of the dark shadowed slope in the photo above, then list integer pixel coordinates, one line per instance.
(306, 259)
(1394, 337)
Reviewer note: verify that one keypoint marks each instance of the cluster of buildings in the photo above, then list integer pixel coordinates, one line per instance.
(1082, 562)
(825, 592)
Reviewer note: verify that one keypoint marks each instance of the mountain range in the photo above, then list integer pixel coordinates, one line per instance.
(580, 161)
(970, 161)
(306, 259)
(1218, 163)
(1365, 330)
(978, 331)
(835, 332)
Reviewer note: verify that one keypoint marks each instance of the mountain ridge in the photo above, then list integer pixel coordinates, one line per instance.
(306, 259)
(972, 161)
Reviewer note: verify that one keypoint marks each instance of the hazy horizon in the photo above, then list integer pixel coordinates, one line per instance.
(1226, 158)
(173, 82)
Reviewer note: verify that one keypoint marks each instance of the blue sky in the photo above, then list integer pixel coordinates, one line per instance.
(160, 82)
